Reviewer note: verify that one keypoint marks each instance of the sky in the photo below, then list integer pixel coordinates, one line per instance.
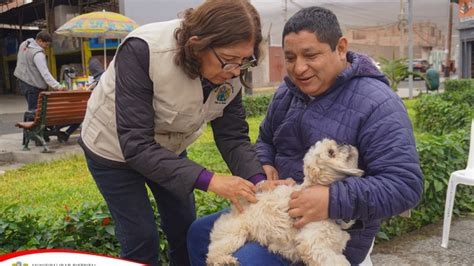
(349, 12)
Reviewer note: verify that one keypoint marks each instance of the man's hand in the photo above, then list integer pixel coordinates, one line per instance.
(271, 172)
(309, 205)
(268, 185)
(233, 188)
(60, 88)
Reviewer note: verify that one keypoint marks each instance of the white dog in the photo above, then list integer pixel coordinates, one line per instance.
(268, 223)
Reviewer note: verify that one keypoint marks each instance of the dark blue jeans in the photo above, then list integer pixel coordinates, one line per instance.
(31, 94)
(251, 253)
(125, 191)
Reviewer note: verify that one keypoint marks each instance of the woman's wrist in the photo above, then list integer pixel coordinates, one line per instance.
(259, 185)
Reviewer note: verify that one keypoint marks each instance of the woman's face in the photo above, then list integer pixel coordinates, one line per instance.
(211, 66)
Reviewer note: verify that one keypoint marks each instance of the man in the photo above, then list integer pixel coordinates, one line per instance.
(96, 66)
(31, 68)
(332, 93)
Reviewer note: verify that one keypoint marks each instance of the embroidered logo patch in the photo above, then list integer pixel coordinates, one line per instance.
(223, 93)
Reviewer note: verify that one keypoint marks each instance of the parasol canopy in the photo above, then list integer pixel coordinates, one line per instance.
(102, 24)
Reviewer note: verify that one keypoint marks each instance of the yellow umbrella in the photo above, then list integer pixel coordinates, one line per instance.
(107, 25)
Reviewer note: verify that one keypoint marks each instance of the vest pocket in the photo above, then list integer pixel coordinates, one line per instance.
(165, 115)
(167, 120)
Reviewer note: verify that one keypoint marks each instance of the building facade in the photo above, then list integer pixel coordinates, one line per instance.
(466, 38)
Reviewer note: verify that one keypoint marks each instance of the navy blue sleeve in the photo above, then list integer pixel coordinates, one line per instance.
(393, 181)
(232, 139)
(265, 146)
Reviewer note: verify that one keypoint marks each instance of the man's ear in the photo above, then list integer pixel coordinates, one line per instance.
(342, 47)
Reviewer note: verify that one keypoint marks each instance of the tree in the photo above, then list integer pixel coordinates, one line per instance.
(395, 70)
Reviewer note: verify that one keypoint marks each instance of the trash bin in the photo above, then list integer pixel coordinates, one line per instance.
(432, 79)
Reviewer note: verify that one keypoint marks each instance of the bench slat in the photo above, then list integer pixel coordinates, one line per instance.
(65, 109)
(67, 99)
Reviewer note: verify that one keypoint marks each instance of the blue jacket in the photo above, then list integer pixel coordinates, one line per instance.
(359, 109)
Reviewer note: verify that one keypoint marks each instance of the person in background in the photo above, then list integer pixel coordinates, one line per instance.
(165, 83)
(32, 70)
(96, 67)
(331, 92)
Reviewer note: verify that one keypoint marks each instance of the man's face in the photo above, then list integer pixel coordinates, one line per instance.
(43, 44)
(310, 64)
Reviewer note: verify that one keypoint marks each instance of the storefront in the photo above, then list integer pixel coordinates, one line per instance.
(466, 35)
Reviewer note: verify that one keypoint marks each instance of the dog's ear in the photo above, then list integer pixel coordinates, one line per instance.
(352, 172)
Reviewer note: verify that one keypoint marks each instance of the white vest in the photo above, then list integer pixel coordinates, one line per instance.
(180, 115)
(26, 69)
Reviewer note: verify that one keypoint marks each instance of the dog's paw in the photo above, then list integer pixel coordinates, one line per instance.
(222, 260)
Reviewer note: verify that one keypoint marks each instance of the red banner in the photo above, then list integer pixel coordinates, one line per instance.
(55, 257)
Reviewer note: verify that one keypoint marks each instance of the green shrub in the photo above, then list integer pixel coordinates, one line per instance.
(437, 116)
(256, 105)
(458, 84)
(439, 156)
(20, 231)
(465, 96)
(90, 228)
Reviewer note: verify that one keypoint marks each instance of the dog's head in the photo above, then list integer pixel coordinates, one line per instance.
(327, 161)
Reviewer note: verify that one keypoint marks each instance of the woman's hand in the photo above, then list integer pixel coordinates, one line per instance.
(271, 172)
(233, 188)
(268, 185)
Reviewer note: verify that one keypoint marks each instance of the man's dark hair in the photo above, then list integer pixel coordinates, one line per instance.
(323, 22)
(44, 35)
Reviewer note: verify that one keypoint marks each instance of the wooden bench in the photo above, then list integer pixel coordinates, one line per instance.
(55, 108)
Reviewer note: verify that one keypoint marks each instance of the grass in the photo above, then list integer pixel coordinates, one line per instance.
(409, 105)
(48, 187)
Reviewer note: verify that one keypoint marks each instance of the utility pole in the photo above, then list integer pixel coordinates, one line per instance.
(447, 66)
(401, 26)
(410, 48)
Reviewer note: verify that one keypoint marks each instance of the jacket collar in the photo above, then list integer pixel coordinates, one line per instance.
(33, 44)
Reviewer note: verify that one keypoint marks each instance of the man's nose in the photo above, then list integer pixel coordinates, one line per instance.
(300, 66)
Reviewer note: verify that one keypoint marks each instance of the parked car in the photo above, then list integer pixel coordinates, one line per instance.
(419, 66)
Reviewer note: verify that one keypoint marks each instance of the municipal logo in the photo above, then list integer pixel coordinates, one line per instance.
(18, 263)
(223, 93)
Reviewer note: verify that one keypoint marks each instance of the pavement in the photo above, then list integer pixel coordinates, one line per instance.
(421, 247)
(12, 155)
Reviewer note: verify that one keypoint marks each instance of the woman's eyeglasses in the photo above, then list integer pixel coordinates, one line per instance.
(246, 63)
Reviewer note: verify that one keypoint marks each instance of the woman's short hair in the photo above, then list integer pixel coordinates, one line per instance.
(216, 23)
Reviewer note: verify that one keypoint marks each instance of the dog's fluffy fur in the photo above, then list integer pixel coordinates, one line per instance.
(268, 223)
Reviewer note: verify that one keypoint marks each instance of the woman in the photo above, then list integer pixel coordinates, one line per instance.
(167, 80)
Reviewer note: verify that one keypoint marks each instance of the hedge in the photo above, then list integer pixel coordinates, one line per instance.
(439, 156)
(437, 116)
(443, 113)
(458, 84)
(256, 105)
(89, 228)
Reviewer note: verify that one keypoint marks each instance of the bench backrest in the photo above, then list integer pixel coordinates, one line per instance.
(61, 107)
